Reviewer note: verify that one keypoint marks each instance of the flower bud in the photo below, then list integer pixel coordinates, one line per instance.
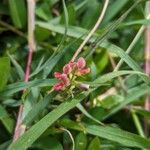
(81, 63)
(57, 75)
(67, 69)
(58, 86)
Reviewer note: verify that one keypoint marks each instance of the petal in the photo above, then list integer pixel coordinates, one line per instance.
(72, 64)
(58, 86)
(81, 63)
(57, 75)
(65, 79)
(67, 69)
(81, 72)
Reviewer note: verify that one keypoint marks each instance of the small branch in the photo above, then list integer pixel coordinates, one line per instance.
(133, 43)
(20, 128)
(92, 31)
(71, 137)
(13, 29)
(113, 63)
(137, 123)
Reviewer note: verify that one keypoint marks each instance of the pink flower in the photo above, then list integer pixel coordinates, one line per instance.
(78, 68)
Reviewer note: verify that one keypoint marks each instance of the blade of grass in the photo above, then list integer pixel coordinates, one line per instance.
(117, 135)
(36, 130)
(9, 90)
(17, 66)
(83, 110)
(130, 98)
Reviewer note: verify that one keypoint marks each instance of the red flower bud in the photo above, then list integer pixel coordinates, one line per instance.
(57, 75)
(72, 64)
(81, 72)
(81, 63)
(67, 69)
(58, 86)
(65, 79)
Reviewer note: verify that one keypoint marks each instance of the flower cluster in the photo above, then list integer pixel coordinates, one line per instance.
(70, 71)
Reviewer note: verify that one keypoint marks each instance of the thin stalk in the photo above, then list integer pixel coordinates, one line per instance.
(137, 123)
(133, 43)
(20, 128)
(147, 64)
(71, 137)
(92, 31)
(113, 63)
(13, 29)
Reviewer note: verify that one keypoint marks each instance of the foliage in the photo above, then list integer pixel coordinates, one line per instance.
(109, 113)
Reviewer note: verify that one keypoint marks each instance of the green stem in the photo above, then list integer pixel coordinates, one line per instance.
(137, 123)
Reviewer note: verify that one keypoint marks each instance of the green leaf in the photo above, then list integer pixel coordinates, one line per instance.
(114, 8)
(131, 97)
(48, 143)
(83, 110)
(19, 69)
(142, 112)
(4, 71)
(7, 121)
(137, 22)
(81, 141)
(37, 109)
(9, 90)
(67, 123)
(109, 76)
(95, 144)
(117, 135)
(18, 15)
(36, 130)
(75, 32)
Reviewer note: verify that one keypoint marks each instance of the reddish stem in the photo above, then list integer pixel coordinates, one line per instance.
(28, 66)
(20, 128)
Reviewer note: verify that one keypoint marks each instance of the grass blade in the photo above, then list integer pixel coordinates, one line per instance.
(117, 135)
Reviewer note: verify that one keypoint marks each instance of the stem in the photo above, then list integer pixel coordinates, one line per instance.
(13, 29)
(113, 63)
(71, 137)
(92, 31)
(131, 46)
(20, 128)
(147, 64)
(137, 123)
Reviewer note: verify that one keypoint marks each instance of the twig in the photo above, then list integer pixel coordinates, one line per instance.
(92, 31)
(137, 122)
(20, 128)
(135, 40)
(147, 65)
(13, 29)
(113, 63)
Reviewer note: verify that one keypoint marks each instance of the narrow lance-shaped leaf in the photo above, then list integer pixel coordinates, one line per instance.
(119, 136)
(4, 71)
(9, 90)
